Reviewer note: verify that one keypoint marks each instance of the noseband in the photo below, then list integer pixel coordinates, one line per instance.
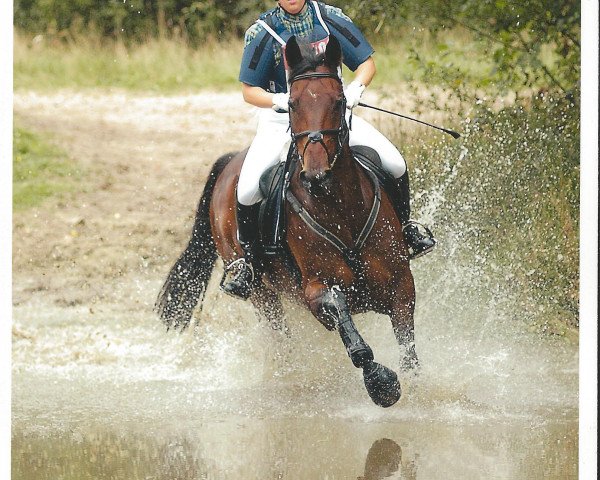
(317, 136)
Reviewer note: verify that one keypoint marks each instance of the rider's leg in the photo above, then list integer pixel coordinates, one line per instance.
(363, 133)
(264, 152)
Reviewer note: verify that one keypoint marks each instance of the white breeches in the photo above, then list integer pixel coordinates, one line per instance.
(272, 135)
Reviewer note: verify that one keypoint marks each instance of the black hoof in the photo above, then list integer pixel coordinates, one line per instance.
(382, 384)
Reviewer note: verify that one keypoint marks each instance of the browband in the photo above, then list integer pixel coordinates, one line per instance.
(306, 76)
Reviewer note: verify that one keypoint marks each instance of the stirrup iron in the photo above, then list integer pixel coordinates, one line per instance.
(241, 262)
(430, 237)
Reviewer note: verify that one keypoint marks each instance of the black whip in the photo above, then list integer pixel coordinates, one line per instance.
(450, 132)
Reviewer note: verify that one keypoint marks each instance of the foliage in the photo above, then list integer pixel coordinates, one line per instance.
(530, 44)
(138, 20)
(40, 170)
(505, 200)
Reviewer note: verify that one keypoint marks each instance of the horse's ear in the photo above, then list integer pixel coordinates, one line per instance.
(293, 55)
(333, 52)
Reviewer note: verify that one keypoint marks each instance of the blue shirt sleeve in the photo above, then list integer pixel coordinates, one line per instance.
(355, 47)
(257, 66)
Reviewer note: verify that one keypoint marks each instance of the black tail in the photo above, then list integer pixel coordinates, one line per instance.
(186, 284)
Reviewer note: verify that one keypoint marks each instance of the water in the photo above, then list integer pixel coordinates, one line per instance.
(106, 393)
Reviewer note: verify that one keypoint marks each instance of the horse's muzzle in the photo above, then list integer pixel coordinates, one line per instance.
(316, 182)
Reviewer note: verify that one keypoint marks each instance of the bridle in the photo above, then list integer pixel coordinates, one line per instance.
(317, 136)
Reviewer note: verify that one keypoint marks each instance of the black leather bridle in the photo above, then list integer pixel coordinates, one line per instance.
(317, 136)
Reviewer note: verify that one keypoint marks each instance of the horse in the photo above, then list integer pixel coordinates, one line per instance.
(343, 234)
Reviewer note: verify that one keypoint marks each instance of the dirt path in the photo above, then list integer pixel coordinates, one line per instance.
(146, 159)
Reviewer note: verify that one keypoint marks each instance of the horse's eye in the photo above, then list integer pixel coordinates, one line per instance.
(293, 104)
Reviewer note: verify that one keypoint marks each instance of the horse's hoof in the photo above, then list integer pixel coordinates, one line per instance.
(382, 384)
(360, 354)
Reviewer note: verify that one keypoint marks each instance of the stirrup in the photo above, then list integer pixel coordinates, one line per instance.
(242, 262)
(234, 285)
(430, 236)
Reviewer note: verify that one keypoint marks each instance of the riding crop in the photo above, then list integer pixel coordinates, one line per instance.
(450, 132)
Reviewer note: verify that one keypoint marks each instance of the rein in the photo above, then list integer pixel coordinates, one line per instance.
(350, 253)
(317, 136)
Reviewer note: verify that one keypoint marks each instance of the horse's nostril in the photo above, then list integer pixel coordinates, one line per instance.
(323, 176)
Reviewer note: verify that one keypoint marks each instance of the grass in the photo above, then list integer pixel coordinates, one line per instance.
(163, 66)
(172, 66)
(40, 170)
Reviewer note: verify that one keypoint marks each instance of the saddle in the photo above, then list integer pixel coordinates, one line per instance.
(274, 184)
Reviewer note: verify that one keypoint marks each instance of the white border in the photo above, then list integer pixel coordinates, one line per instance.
(588, 389)
(6, 76)
(588, 244)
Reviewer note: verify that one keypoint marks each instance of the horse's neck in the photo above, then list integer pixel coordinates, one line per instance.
(348, 179)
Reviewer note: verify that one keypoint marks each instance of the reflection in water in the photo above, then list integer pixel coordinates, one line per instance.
(107, 455)
(292, 449)
(110, 396)
(383, 460)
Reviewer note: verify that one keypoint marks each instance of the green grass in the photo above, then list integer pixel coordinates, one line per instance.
(163, 66)
(40, 170)
(170, 66)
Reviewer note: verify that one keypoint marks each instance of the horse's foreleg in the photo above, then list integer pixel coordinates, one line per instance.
(329, 305)
(403, 324)
(269, 307)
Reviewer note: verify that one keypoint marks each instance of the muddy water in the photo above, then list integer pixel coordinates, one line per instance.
(105, 393)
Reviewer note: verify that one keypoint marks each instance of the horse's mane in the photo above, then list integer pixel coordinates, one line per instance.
(310, 61)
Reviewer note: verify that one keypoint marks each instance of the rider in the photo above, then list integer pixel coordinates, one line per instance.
(264, 84)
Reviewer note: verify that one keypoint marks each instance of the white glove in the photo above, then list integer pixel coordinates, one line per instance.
(353, 92)
(281, 102)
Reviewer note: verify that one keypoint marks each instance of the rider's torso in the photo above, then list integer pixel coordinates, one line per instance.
(262, 61)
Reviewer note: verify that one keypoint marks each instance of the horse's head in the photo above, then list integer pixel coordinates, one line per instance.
(317, 111)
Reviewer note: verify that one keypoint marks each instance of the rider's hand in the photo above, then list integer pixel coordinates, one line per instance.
(353, 92)
(281, 102)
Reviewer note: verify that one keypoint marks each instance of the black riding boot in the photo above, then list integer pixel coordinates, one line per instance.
(418, 244)
(241, 275)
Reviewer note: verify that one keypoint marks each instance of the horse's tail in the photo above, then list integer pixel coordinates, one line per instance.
(186, 284)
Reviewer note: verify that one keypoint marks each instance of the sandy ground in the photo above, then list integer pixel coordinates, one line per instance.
(146, 159)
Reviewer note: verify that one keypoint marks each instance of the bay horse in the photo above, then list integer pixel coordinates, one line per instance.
(342, 232)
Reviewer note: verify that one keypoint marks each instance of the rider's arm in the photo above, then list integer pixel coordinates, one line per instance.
(257, 96)
(365, 72)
